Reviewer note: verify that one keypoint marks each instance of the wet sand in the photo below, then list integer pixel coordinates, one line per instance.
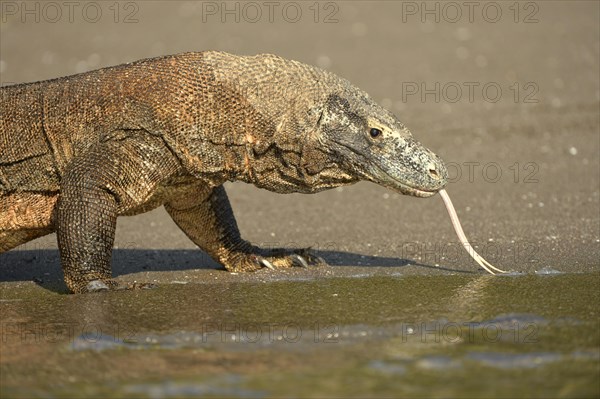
(389, 336)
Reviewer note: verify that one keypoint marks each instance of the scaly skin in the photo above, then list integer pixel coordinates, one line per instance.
(79, 151)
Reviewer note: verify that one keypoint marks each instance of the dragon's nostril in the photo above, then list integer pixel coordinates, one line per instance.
(433, 172)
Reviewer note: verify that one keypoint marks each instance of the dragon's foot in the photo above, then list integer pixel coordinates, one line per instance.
(273, 259)
(91, 282)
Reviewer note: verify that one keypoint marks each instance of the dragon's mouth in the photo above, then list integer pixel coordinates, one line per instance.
(415, 192)
(377, 175)
(383, 178)
(405, 189)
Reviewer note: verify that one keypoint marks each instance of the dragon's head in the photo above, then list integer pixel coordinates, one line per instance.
(370, 143)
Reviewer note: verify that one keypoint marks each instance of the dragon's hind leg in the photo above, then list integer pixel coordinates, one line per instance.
(24, 217)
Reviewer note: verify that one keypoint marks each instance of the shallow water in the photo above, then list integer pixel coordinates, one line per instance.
(430, 336)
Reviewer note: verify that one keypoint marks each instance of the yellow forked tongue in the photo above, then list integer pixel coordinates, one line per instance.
(463, 239)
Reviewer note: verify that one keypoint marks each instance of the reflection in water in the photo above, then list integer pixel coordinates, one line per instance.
(468, 301)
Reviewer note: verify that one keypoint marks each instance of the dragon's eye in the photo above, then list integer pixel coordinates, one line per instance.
(374, 132)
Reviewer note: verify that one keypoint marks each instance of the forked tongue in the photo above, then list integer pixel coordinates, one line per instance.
(463, 239)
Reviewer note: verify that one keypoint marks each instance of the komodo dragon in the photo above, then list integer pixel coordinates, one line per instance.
(78, 151)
